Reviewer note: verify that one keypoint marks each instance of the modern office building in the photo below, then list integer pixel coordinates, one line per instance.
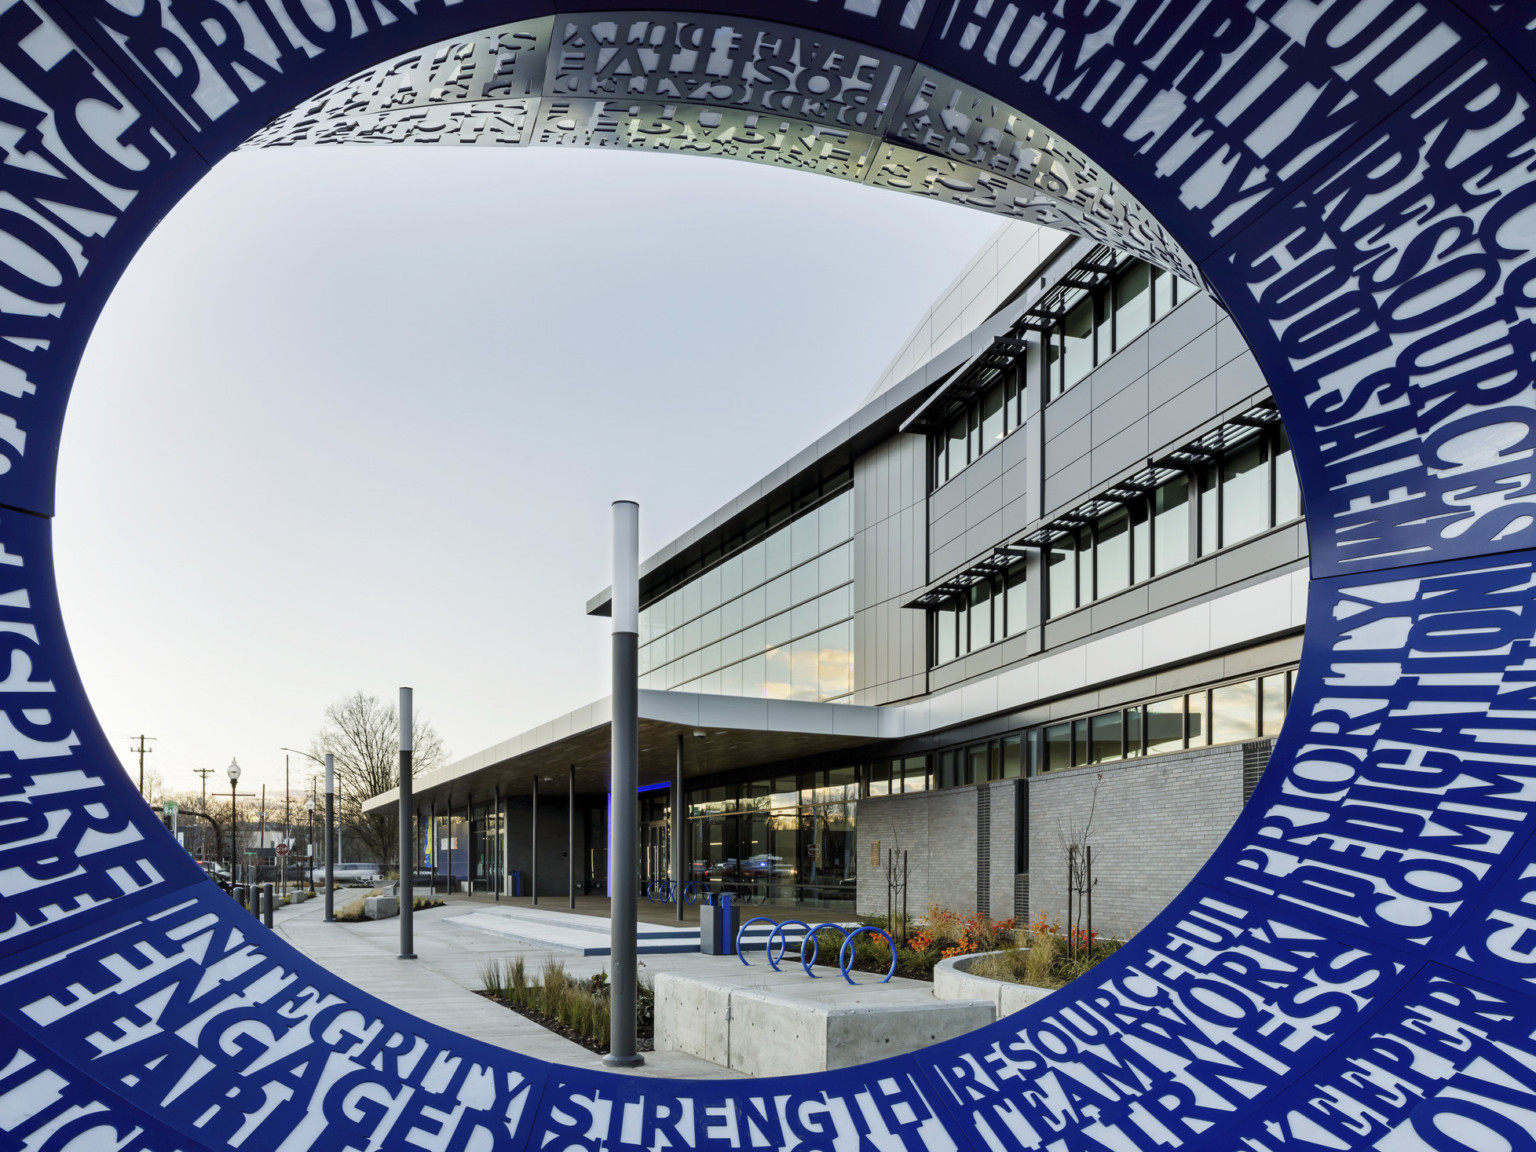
(1040, 595)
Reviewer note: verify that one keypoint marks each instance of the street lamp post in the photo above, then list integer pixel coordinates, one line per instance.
(234, 847)
(309, 806)
(624, 778)
(407, 844)
(331, 839)
(330, 830)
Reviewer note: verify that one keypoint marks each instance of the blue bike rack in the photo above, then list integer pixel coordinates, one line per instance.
(741, 952)
(810, 938)
(783, 940)
(845, 957)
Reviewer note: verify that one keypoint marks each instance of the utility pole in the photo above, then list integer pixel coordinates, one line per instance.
(141, 750)
(202, 834)
(287, 826)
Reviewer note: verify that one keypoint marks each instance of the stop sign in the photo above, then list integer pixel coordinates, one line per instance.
(282, 849)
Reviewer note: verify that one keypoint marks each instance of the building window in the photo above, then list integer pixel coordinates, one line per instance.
(990, 609)
(1145, 537)
(1249, 490)
(775, 619)
(1226, 714)
(980, 425)
(1096, 323)
(1242, 494)
(894, 777)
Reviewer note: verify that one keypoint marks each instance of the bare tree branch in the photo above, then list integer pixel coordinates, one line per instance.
(364, 735)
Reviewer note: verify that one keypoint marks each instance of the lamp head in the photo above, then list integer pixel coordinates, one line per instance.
(233, 770)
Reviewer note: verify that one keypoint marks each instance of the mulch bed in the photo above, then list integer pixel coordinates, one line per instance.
(828, 959)
(644, 1035)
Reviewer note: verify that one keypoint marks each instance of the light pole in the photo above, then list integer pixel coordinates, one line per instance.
(407, 842)
(329, 763)
(624, 778)
(234, 847)
(332, 840)
(310, 840)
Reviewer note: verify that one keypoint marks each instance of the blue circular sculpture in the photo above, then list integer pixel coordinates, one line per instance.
(1354, 968)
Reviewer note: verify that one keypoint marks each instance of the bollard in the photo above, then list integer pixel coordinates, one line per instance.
(253, 899)
(266, 904)
(728, 925)
(238, 892)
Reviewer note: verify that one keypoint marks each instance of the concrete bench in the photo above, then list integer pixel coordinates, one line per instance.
(381, 907)
(763, 1023)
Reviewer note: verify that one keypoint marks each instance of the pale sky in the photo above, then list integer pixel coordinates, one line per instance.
(354, 417)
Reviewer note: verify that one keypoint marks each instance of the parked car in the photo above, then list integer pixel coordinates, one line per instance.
(357, 873)
(217, 872)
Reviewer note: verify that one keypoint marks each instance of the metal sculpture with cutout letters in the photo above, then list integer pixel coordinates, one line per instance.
(1354, 968)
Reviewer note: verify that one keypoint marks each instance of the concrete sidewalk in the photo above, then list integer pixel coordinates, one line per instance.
(441, 984)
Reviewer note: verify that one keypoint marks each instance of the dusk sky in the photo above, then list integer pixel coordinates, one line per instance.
(354, 418)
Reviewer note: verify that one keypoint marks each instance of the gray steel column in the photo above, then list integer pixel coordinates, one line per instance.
(570, 839)
(407, 744)
(678, 879)
(533, 843)
(499, 852)
(625, 775)
(330, 837)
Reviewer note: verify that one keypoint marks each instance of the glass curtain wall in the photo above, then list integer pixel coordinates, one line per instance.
(789, 840)
(775, 620)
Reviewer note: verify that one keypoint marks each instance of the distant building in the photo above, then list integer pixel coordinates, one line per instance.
(1044, 587)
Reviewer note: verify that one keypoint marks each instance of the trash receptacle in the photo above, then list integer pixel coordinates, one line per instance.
(718, 925)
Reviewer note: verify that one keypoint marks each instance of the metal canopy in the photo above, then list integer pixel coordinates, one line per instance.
(971, 379)
(737, 733)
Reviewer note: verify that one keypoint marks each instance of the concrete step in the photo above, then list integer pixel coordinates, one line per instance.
(589, 935)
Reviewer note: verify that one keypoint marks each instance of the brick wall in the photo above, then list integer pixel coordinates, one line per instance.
(1154, 823)
(938, 832)
(1006, 796)
(948, 836)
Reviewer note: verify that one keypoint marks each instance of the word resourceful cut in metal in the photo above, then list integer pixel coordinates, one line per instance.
(1354, 968)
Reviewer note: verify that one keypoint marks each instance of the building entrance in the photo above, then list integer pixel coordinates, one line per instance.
(655, 836)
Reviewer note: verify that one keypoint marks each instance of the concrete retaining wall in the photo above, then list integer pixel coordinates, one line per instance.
(952, 980)
(763, 1023)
